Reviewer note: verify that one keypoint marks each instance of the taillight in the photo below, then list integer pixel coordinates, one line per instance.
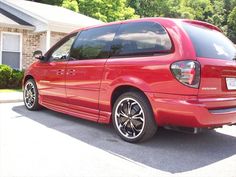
(187, 72)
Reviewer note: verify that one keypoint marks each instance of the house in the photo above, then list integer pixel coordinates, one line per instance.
(27, 26)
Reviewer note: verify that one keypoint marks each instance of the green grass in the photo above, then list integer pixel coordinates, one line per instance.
(10, 90)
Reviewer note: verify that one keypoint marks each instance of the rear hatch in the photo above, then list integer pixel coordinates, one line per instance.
(216, 55)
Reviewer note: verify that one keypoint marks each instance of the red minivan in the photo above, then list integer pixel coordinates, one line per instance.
(139, 74)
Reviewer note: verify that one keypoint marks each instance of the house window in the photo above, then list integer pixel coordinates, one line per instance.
(11, 49)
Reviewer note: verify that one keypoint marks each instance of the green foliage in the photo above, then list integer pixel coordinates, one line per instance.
(15, 79)
(106, 10)
(218, 13)
(10, 78)
(232, 25)
(52, 2)
(5, 74)
(193, 9)
(197, 9)
(154, 8)
(70, 4)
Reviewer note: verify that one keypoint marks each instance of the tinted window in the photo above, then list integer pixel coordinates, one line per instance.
(210, 43)
(141, 38)
(62, 51)
(93, 43)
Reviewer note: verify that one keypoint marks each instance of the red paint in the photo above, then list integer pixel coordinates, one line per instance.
(84, 88)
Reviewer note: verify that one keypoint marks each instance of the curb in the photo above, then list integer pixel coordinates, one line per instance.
(11, 101)
(11, 97)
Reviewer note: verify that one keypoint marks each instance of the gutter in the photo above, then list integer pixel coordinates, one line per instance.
(39, 23)
(25, 11)
(24, 27)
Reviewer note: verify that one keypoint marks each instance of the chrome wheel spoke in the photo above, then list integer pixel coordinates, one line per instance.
(123, 114)
(134, 128)
(125, 123)
(134, 132)
(138, 116)
(123, 120)
(129, 107)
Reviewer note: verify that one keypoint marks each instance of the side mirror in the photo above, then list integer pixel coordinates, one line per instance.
(38, 54)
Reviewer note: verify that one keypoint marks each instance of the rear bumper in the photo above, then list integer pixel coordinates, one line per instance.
(189, 111)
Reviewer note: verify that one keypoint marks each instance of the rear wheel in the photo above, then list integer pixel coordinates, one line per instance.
(30, 95)
(133, 118)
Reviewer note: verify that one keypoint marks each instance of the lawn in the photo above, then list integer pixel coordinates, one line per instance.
(10, 90)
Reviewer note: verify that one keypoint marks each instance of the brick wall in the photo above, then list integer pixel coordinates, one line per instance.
(36, 41)
(56, 36)
(32, 41)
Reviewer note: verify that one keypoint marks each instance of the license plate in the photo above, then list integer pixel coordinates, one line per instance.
(231, 83)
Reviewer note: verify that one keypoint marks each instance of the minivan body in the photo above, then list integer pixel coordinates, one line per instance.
(139, 74)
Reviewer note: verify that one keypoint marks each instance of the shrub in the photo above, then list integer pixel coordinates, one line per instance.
(5, 74)
(10, 78)
(15, 79)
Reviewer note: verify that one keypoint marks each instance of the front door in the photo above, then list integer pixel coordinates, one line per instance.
(51, 84)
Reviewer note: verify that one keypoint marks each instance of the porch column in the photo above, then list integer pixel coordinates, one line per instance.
(48, 39)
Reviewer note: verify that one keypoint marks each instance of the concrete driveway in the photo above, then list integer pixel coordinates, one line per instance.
(47, 143)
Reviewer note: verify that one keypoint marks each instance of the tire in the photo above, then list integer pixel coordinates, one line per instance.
(133, 118)
(30, 95)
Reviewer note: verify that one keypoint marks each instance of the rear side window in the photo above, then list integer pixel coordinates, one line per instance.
(210, 43)
(141, 38)
(93, 43)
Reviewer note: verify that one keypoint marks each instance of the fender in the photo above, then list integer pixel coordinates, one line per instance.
(107, 89)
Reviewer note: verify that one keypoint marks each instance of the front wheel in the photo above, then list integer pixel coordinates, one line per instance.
(132, 117)
(30, 95)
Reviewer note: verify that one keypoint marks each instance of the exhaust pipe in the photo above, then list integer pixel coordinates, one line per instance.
(189, 130)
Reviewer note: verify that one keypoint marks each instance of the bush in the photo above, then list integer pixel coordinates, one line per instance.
(5, 74)
(10, 78)
(15, 79)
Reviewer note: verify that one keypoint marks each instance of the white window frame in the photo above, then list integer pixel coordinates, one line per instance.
(1, 46)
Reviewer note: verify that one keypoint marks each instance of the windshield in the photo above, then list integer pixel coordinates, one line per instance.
(210, 43)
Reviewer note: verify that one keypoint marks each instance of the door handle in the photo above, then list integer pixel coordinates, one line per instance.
(60, 71)
(71, 72)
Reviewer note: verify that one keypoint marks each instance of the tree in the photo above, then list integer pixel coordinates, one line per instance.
(70, 4)
(232, 25)
(218, 13)
(193, 9)
(106, 10)
(51, 2)
(154, 8)
(197, 9)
